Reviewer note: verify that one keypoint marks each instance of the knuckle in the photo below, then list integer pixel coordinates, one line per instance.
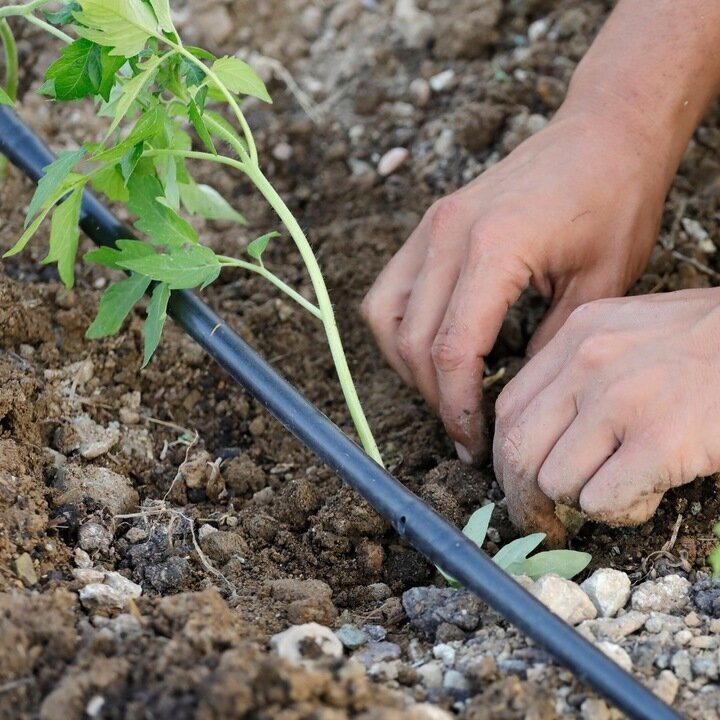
(504, 405)
(447, 355)
(443, 213)
(369, 308)
(595, 351)
(407, 345)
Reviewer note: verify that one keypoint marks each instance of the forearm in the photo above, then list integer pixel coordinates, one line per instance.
(654, 68)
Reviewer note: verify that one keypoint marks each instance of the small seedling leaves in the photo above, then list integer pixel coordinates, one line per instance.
(162, 12)
(477, 526)
(123, 25)
(206, 202)
(258, 246)
(186, 267)
(517, 550)
(129, 161)
(65, 235)
(566, 563)
(77, 73)
(55, 175)
(5, 99)
(239, 77)
(132, 90)
(196, 118)
(160, 223)
(117, 301)
(125, 250)
(64, 15)
(156, 316)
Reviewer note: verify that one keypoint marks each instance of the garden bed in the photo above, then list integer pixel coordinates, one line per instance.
(293, 544)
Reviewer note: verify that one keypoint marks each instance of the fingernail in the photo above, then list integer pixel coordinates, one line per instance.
(463, 454)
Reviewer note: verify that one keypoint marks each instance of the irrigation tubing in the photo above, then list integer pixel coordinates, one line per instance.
(438, 540)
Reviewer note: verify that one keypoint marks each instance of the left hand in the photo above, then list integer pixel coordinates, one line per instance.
(620, 406)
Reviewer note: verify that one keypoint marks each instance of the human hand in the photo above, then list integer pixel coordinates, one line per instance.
(574, 211)
(620, 406)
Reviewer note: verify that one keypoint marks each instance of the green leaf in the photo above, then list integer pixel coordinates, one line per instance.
(162, 12)
(257, 247)
(160, 223)
(5, 99)
(227, 128)
(205, 201)
(200, 53)
(64, 15)
(65, 235)
(156, 316)
(110, 64)
(123, 25)
(77, 72)
(239, 77)
(193, 74)
(477, 526)
(132, 90)
(125, 250)
(566, 563)
(55, 175)
(129, 161)
(199, 125)
(110, 182)
(186, 267)
(115, 305)
(714, 561)
(517, 550)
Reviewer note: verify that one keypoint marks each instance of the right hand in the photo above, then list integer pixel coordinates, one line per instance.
(574, 211)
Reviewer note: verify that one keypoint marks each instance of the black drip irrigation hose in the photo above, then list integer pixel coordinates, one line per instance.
(439, 541)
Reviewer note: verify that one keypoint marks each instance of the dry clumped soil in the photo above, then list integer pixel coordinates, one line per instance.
(158, 529)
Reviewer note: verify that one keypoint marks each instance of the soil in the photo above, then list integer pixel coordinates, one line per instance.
(195, 643)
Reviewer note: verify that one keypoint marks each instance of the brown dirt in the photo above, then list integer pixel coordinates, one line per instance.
(194, 645)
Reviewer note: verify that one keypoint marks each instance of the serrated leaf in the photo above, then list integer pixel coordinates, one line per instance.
(5, 99)
(257, 247)
(64, 15)
(77, 72)
(132, 90)
(206, 202)
(110, 64)
(193, 74)
(55, 174)
(200, 53)
(239, 77)
(186, 267)
(149, 124)
(64, 236)
(115, 305)
(160, 223)
(517, 550)
(477, 526)
(129, 161)
(566, 563)
(199, 124)
(123, 25)
(125, 249)
(162, 12)
(110, 182)
(156, 316)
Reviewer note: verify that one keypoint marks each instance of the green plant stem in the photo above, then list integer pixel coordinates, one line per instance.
(275, 280)
(328, 317)
(48, 28)
(11, 59)
(25, 9)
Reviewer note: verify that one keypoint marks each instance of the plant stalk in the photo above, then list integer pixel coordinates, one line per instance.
(11, 59)
(328, 317)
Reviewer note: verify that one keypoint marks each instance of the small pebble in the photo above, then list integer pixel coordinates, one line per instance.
(666, 686)
(292, 643)
(351, 637)
(392, 161)
(616, 654)
(442, 81)
(446, 653)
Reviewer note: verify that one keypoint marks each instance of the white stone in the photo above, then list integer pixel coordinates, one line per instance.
(666, 595)
(615, 629)
(288, 644)
(564, 598)
(123, 586)
(88, 576)
(446, 653)
(419, 92)
(666, 686)
(538, 29)
(455, 680)
(682, 665)
(425, 711)
(99, 595)
(616, 654)
(594, 709)
(392, 161)
(609, 591)
(442, 81)
(415, 26)
(94, 440)
(431, 674)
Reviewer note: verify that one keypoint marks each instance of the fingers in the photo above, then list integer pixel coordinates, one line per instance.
(520, 453)
(552, 322)
(490, 281)
(581, 451)
(628, 487)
